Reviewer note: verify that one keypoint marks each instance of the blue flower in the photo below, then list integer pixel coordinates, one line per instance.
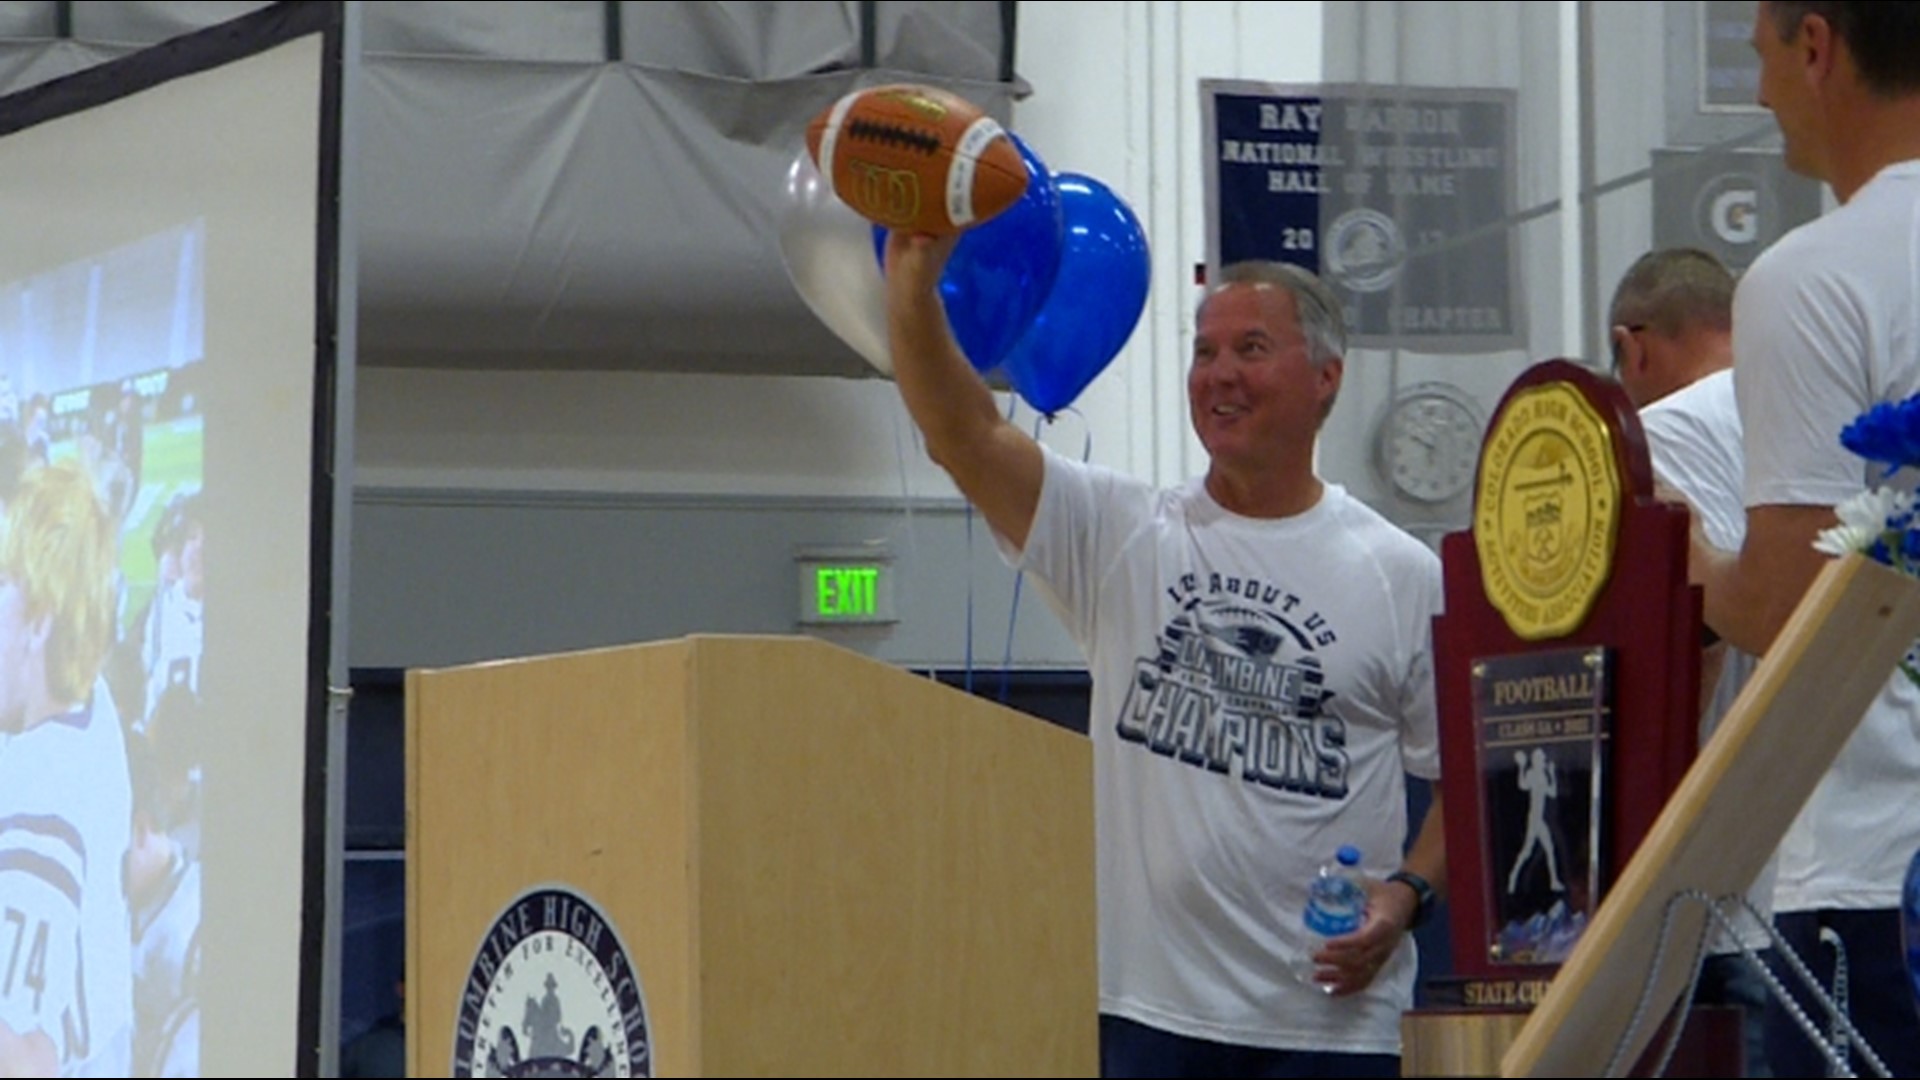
(1881, 521)
(1888, 433)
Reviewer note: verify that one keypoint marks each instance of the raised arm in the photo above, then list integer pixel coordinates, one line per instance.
(997, 466)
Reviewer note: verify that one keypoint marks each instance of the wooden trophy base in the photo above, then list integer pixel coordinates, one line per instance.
(1457, 1042)
(1472, 1042)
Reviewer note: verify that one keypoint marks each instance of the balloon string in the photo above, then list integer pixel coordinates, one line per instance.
(970, 576)
(967, 668)
(1013, 405)
(906, 505)
(1019, 578)
(1086, 448)
(1013, 613)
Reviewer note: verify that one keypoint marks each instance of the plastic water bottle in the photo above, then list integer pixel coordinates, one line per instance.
(1336, 905)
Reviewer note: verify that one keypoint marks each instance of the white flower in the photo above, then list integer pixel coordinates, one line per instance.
(1875, 508)
(1864, 518)
(1841, 541)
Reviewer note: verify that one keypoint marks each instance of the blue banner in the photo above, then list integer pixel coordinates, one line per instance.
(1401, 199)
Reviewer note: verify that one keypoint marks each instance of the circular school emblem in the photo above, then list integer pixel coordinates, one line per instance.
(1547, 511)
(552, 993)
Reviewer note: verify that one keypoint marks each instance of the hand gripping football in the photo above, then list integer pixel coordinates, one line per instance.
(916, 158)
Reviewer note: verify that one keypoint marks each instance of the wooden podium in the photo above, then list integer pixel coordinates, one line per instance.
(810, 863)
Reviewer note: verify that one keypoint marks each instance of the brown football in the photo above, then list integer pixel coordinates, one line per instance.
(917, 158)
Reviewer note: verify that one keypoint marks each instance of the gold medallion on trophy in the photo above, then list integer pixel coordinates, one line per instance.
(1547, 510)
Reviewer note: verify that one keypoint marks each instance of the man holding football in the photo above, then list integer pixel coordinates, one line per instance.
(1259, 643)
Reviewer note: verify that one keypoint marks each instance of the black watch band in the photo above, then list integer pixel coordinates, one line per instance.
(1422, 892)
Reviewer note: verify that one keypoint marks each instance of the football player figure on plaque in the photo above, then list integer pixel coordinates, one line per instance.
(1542, 722)
(1567, 667)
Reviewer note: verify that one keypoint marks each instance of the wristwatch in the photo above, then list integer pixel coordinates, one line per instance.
(1423, 895)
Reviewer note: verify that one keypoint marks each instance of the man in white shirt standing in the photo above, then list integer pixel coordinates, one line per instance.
(1671, 330)
(1259, 643)
(1827, 324)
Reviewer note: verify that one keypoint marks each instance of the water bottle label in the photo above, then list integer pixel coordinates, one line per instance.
(1331, 923)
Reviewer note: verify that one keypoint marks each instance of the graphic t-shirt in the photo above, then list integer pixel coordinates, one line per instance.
(1260, 690)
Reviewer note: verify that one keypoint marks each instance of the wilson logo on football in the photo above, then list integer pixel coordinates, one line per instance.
(889, 196)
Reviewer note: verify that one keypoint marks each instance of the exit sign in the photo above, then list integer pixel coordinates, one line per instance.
(845, 587)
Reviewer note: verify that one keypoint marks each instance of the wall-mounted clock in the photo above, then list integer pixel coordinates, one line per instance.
(1428, 444)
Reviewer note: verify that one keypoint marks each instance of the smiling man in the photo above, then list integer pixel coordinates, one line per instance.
(1826, 324)
(1262, 684)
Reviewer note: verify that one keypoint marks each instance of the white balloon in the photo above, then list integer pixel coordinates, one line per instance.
(829, 254)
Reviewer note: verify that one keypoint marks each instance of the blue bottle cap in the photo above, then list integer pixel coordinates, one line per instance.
(1348, 855)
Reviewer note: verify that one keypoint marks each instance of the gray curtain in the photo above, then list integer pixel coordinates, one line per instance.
(577, 185)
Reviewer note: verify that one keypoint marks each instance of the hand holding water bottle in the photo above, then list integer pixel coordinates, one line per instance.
(1355, 922)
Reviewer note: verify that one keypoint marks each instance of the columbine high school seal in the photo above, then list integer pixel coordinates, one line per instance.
(1547, 511)
(552, 993)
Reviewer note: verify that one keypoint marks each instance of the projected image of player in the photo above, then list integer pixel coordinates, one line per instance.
(102, 461)
(174, 627)
(163, 891)
(13, 461)
(65, 951)
(110, 445)
(161, 636)
(37, 425)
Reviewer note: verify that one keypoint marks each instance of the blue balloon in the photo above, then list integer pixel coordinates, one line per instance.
(1002, 269)
(1097, 298)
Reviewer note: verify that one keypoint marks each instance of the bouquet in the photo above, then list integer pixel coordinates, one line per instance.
(1879, 522)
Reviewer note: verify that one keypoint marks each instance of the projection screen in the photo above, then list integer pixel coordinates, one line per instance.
(169, 245)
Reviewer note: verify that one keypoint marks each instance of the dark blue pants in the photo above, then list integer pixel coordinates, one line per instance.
(1880, 996)
(1730, 980)
(1128, 1049)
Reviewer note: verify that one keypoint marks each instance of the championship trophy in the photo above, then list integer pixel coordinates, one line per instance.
(1567, 668)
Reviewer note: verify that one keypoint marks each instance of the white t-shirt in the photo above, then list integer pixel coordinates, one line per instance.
(66, 810)
(175, 640)
(166, 968)
(1826, 325)
(1693, 436)
(1260, 690)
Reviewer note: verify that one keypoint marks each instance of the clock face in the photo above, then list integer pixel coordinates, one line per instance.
(1429, 444)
